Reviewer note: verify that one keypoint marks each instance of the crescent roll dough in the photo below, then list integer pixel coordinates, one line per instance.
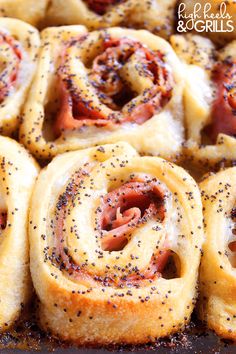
(19, 44)
(226, 25)
(31, 11)
(115, 246)
(17, 176)
(210, 98)
(155, 15)
(218, 275)
(102, 87)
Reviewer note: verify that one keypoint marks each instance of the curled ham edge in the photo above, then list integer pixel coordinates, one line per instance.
(90, 116)
(3, 220)
(223, 111)
(122, 223)
(232, 245)
(101, 6)
(8, 79)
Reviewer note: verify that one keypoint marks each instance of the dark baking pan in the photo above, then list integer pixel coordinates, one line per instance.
(27, 338)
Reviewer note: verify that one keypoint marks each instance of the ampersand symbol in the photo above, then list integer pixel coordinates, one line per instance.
(181, 27)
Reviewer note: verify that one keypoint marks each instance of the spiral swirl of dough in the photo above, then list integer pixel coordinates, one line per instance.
(102, 87)
(115, 246)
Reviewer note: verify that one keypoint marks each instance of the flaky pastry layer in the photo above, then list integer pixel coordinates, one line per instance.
(18, 58)
(155, 16)
(18, 172)
(31, 11)
(217, 275)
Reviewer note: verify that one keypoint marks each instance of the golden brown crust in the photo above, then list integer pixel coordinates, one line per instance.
(155, 16)
(95, 308)
(217, 275)
(31, 11)
(18, 172)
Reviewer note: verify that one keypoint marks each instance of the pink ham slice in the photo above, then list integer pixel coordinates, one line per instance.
(8, 78)
(125, 208)
(224, 107)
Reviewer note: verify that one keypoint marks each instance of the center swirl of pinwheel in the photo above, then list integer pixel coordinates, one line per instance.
(125, 208)
(125, 82)
(118, 216)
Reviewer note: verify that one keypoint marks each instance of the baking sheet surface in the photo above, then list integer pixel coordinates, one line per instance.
(195, 339)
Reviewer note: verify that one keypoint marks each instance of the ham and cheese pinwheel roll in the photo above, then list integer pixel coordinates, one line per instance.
(216, 19)
(115, 246)
(18, 172)
(155, 15)
(102, 87)
(210, 98)
(19, 44)
(217, 276)
(31, 11)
